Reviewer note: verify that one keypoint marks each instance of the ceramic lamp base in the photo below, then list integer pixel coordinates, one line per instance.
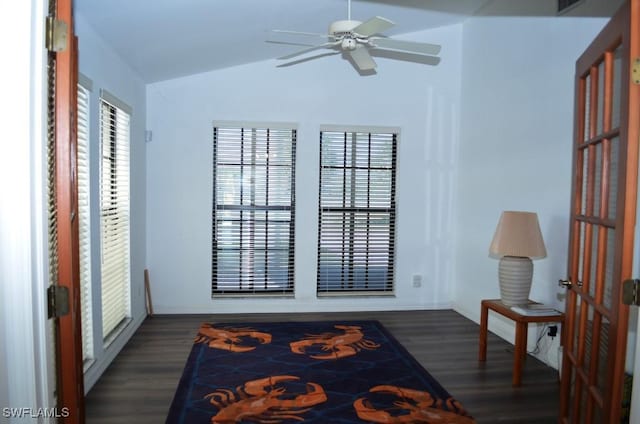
(514, 274)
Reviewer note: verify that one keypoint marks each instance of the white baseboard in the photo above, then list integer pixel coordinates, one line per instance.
(232, 306)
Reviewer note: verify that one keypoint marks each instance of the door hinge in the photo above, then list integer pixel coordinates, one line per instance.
(631, 292)
(635, 71)
(57, 301)
(56, 34)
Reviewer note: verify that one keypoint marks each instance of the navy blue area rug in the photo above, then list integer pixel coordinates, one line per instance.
(319, 372)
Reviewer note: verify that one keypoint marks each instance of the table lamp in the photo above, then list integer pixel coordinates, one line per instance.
(516, 242)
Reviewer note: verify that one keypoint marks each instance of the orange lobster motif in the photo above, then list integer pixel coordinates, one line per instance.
(230, 338)
(262, 401)
(420, 407)
(350, 342)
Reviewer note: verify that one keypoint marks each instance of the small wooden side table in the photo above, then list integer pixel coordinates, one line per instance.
(522, 324)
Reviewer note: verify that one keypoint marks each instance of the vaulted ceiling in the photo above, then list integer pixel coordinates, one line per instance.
(164, 39)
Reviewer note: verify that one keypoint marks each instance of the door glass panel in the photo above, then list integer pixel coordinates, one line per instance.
(585, 173)
(572, 412)
(583, 405)
(597, 178)
(587, 106)
(578, 330)
(594, 261)
(613, 176)
(588, 342)
(617, 81)
(597, 414)
(581, 254)
(600, 123)
(608, 274)
(576, 404)
(603, 356)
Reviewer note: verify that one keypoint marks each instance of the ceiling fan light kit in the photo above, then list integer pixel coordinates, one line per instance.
(355, 38)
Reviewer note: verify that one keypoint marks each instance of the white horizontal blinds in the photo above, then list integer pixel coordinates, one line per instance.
(84, 222)
(253, 213)
(356, 239)
(114, 198)
(52, 211)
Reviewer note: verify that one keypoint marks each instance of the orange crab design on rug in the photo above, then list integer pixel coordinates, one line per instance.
(411, 406)
(265, 400)
(228, 338)
(337, 345)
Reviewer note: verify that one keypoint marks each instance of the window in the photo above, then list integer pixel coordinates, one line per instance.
(114, 210)
(356, 242)
(84, 221)
(253, 208)
(565, 5)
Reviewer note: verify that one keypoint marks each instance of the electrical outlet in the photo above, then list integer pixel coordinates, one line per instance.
(553, 331)
(416, 280)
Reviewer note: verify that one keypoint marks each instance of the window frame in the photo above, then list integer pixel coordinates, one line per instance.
(324, 287)
(119, 206)
(253, 288)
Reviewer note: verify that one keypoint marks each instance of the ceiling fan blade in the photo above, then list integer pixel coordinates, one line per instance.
(374, 25)
(422, 59)
(306, 59)
(407, 46)
(287, 43)
(306, 34)
(362, 58)
(310, 49)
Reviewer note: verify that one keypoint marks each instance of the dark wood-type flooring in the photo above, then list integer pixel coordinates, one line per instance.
(139, 385)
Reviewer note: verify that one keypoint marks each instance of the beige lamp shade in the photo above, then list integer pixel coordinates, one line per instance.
(518, 234)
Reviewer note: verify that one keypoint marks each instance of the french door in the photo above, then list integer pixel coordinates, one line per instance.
(603, 213)
(63, 213)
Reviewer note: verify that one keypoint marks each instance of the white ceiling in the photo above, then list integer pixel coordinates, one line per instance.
(164, 39)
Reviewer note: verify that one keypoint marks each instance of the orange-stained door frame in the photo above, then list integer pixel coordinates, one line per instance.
(70, 377)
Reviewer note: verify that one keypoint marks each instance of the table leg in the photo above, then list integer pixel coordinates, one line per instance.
(484, 317)
(520, 352)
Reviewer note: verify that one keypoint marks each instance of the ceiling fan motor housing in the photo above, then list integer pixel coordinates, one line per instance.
(341, 28)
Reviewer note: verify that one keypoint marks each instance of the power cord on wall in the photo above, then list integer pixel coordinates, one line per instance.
(542, 349)
(536, 350)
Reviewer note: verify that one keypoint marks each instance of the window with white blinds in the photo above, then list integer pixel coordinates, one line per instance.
(114, 210)
(84, 221)
(253, 208)
(357, 211)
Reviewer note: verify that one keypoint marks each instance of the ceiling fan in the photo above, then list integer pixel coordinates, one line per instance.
(355, 38)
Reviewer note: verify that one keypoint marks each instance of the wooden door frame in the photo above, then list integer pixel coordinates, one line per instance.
(69, 329)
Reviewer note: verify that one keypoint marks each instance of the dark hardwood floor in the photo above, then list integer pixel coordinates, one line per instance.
(139, 385)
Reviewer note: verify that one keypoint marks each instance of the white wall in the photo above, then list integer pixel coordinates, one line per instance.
(515, 148)
(106, 70)
(422, 100)
(24, 377)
